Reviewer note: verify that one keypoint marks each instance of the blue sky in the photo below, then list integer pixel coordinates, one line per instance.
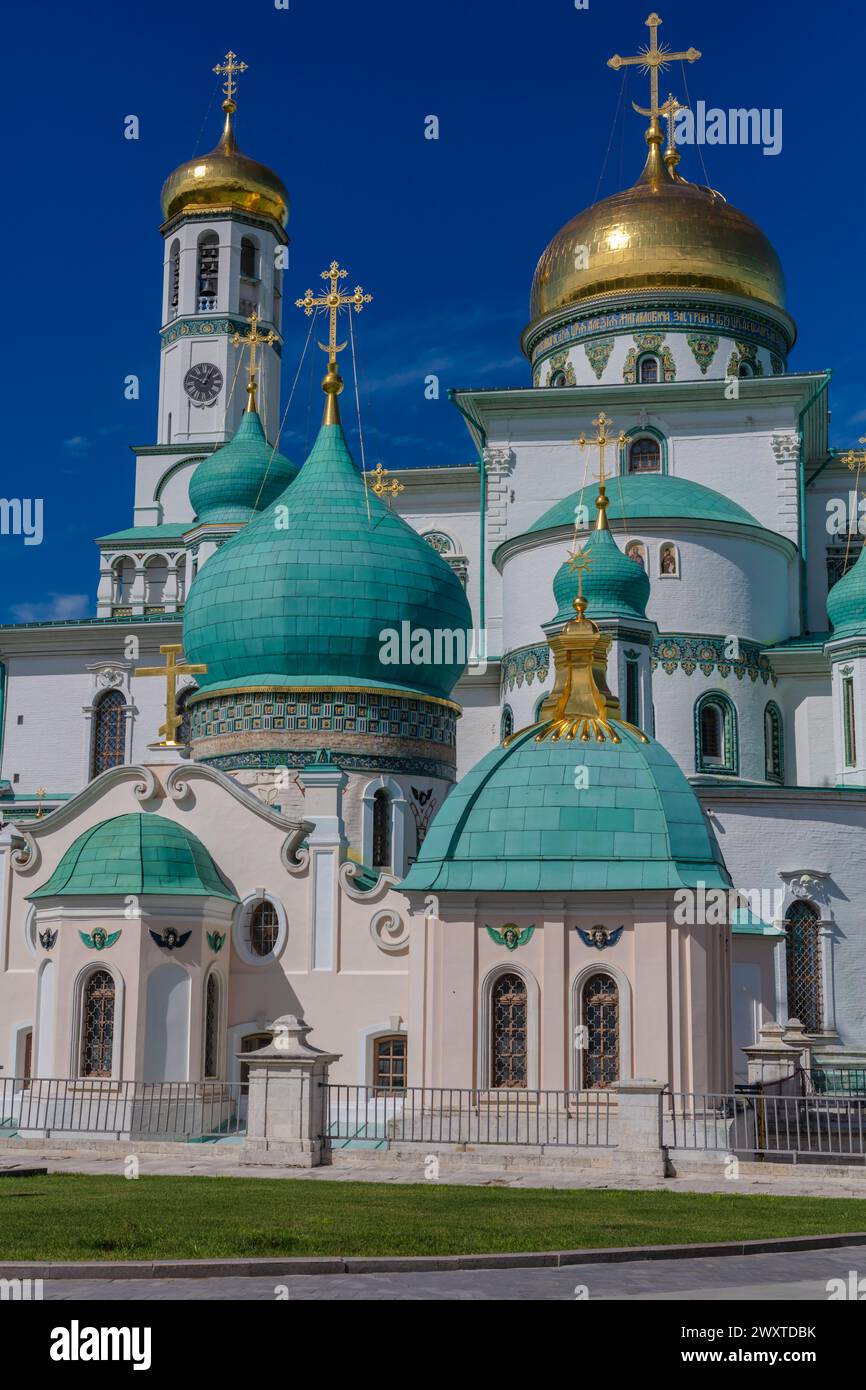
(445, 234)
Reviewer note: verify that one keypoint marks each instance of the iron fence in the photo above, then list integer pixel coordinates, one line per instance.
(102, 1108)
(367, 1117)
(791, 1127)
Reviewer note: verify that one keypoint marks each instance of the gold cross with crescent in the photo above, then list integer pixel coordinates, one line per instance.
(333, 302)
(653, 58)
(252, 340)
(228, 70)
(170, 672)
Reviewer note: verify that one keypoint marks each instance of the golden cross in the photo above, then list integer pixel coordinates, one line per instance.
(41, 794)
(380, 487)
(652, 59)
(334, 301)
(228, 70)
(669, 111)
(252, 340)
(170, 672)
(602, 439)
(855, 458)
(581, 563)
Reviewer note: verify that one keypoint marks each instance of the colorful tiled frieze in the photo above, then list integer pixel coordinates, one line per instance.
(748, 353)
(526, 664)
(349, 712)
(676, 651)
(257, 759)
(197, 327)
(696, 318)
(598, 355)
(704, 347)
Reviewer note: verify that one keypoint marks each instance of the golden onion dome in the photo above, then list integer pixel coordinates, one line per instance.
(663, 233)
(225, 178)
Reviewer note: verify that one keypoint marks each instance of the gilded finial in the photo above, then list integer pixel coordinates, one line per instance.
(170, 672)
(252, 340)
(653, 58)
(40, 796)
(227, 69)
(669, 111)
(333, 302)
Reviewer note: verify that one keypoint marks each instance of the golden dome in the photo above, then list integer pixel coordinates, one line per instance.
(225, 178)
(663, 233)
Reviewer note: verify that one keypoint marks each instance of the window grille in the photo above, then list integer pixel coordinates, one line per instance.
(601, 1022)
(803, 963)
(97, 1025)
(510, 1033)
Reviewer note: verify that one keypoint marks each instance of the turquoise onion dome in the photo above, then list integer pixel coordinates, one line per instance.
(614, 585)
(328, 588)
(242, 478)
(846, 602)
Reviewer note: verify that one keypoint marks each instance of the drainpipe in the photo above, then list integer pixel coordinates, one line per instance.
(473, 426)
(801, 484)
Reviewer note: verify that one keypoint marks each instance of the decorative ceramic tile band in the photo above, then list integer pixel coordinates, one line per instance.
(709, 655)
(349, 762)
(354, 712)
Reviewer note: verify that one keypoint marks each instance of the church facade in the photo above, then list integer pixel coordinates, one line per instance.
(546, 771)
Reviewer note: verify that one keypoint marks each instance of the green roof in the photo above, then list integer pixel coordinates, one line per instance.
(846, 602)
(240, 479)
(136, 854)
(644, 495)
(303, 594)
(614, 586)
(518, 823)
(170, 531)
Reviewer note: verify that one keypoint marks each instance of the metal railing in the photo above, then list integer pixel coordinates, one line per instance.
(837, 1081)
(768, 1125)
(106, 1109)
(368, 1117)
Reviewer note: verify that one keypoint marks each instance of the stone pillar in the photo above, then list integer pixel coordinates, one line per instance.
(774, 1059)
(288, 1102)
(323, 782)
(639, 1126)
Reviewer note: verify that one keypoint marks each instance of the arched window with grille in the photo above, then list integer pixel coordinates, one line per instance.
(774, 755)
(644, 455)
(97, 1024)
(599, 1015)
(381, 830)
(648, 369)
(211, 1026)
(509, 1047)
(208, 272)
(803, 966)
(264, 928)
(716, 743)
(109, 732)
(506, 723)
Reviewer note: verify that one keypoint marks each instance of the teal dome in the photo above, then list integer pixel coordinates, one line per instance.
(517, 823)
(242, 478)
(846, 602)
(301, 596)
(613, 585)
(136, 854)
(649, 495)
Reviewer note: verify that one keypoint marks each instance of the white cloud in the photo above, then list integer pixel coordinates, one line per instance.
(77, 445)
(55, 607)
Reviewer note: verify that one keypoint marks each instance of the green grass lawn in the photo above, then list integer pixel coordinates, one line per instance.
(67, 1216)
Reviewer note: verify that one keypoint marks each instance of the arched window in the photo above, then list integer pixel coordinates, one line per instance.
(599, 1006)
(211, 1026)
(635, 551)
(648, 369)
(123, 576)
(644, 455)
(849, 725)
(669, 561)
(264, 926)
(109, 733)
(208, 272)
(557, 379)
(632, 690)
(248, 258)
(539, 706)
(155, 580)
(174, 280)
(389, 1062)
(510, 1033)
(506, 724)
(97, 1024)
(381, 830)
(803, 965)
(745, 369)
(716, 747)
(774, 762)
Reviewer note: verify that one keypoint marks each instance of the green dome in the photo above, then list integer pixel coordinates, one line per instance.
(613, 585)
(644, 495)
(136, 854)
(517, 823)
(302, 595)
(846, 602)
(242, 478)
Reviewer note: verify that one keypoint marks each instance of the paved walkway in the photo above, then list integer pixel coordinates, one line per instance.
(378, 1168)
(789, 1277)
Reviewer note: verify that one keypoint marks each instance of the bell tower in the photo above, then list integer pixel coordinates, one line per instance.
(225, 251)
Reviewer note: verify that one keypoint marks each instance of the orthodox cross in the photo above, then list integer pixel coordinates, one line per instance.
(669, 111)
(602, 439)
(170, 672)
(228, 70)
(334, 301)
(41, 794)
(252, 340)
(855, 458)
(381, 488)
(653, 58)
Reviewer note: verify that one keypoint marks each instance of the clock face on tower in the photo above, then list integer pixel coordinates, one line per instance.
(203, 383)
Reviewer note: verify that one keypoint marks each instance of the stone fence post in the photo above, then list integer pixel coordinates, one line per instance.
(639, 1126)
(287, 1102)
